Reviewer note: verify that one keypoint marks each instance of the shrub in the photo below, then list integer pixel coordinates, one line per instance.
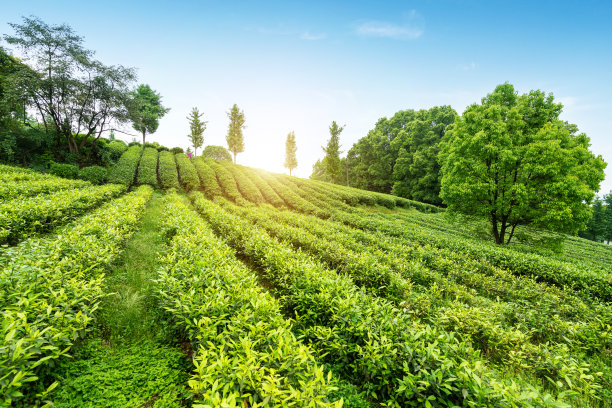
(208, 179)
(188, 174)
(177, 150)
(64, 170)
(115, 149)
(216, 153)
(168, 176)
(124, 171)
(93, 174)
(147, 169)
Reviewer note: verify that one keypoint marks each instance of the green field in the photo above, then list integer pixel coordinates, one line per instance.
(202, 283)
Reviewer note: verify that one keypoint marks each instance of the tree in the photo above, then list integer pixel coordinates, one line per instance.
(318, 172)
(235, 141)
(596, 226)
(216, 153)
(76, 97)
(331, 161)
(513, 161)
(145, 110)
(607, 217)
(197, 128)
(290, 149)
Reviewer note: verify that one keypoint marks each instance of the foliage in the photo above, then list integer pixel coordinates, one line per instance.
(208, 179)
(327, 305)
(234, 138)
(187, 172)
(217, 300)
(216, 153)
(124, 171)
(167, 172)
(16, 182)
(290, 149)
(177, 150)
(51, 288)
(197, 128)
(147, 168)
(226, 181)
(69, 171)
(512, 160)
(266, 191)
(115, 149)
(25, 216)
(331, 164)
(416, 169)
(93, 174)
(145, 109)
(133, 375)
(246, 187)
(71, 93)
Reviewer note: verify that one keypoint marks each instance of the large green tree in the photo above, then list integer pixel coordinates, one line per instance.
(76, 97)
(400, 154)
(513, 161)
(234, 138)
(290, 150)
(216, 153)
(331, 162)
(145, 110)
(197, 128)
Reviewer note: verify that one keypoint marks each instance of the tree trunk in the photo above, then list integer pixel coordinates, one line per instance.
(234, 157)
(144, 132)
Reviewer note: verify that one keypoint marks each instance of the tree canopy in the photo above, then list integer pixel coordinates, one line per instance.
(197, 128)
(331, 164)
(216, 153)
(76, 97)
(234, 138)
(513, 161)
(290, 150)
(145, 110)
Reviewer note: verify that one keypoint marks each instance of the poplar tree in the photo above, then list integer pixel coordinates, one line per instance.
(290, 149)
(235, 141)
(331, 161)
(197, 128)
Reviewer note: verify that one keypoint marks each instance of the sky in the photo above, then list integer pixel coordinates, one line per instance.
(299, 65)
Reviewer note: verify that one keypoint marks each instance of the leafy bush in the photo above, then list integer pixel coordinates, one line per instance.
(51, 288)
(177, 150)
(226, 181)
(216, 153)
(246, 187)
(187, 172)
(16, 182)
(115, 149)
(208, 180)
(125, 170)
(246, 354)
(168, 176)
(147, 168)
(93, 174)
(25, 216)
(268, 193)
(69, 171)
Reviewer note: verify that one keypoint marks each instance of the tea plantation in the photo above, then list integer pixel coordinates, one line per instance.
(194, 282)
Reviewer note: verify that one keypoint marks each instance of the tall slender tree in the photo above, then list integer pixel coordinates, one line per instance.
(145, 110)
(234, 138)
(331, 161)
(290, 149)
(197, 128)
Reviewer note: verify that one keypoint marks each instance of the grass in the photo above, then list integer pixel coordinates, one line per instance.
(131, 359)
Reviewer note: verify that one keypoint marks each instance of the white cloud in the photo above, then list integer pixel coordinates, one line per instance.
(410, 29)
(468, 67)
(312, 37)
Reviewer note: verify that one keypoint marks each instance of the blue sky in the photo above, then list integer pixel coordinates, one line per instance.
(299, 65)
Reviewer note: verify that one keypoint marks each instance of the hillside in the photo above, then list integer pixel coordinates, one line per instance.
(223, 285)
